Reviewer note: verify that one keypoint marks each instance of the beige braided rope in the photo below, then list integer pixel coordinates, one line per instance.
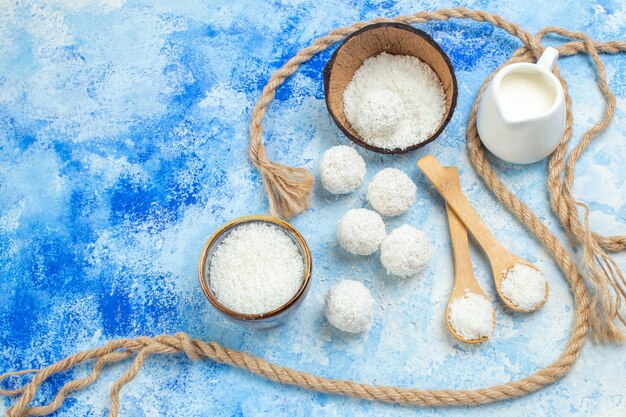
(288, 189)
(598, 267)
(560, 202)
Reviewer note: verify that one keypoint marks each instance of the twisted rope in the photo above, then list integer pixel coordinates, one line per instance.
(288, 189)
(143, 347)
(599, 268)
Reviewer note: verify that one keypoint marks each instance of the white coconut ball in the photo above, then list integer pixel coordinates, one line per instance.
(380, 113)
(405, 251)
(391, 192)
(360, 231)
(341, 169)
(350, 307)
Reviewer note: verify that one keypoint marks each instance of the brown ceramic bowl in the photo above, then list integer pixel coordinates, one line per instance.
(395, 39)
(262, 320)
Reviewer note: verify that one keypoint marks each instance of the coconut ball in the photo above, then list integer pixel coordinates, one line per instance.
(341, 169)
(405, 251)
(360, 231)
(391, 192)
(350, 306)
(380, 113)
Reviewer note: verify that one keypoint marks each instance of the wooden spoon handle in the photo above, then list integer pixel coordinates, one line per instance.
(460, 242)
(449, 187)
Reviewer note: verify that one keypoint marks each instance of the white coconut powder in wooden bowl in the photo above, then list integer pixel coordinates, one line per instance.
(256, 268)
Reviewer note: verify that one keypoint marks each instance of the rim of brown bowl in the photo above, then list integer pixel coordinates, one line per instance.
(425, 36)
(308, 266)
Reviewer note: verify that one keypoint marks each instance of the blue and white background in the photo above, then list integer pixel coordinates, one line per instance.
(123, 145)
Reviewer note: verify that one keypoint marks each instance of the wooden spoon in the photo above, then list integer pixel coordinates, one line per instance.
(464, 278)
(500, 258)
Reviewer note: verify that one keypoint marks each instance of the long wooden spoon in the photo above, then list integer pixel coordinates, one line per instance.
(464, 278)
(500, 258)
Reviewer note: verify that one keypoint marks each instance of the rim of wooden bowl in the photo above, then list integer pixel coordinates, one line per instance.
(281, 224)
(426, 37)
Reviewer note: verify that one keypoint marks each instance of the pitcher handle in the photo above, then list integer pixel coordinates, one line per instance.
(548, 58)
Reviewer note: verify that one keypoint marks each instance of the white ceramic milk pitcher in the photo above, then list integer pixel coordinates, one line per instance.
(521, 116)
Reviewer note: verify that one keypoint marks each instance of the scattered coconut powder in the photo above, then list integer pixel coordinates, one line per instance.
(471, 316)
(524, 286)
(256, 268)
(394, 101)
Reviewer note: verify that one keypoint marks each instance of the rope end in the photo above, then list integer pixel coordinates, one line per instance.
(288, 189)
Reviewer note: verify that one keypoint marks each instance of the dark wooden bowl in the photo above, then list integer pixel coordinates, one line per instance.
(395, 39)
